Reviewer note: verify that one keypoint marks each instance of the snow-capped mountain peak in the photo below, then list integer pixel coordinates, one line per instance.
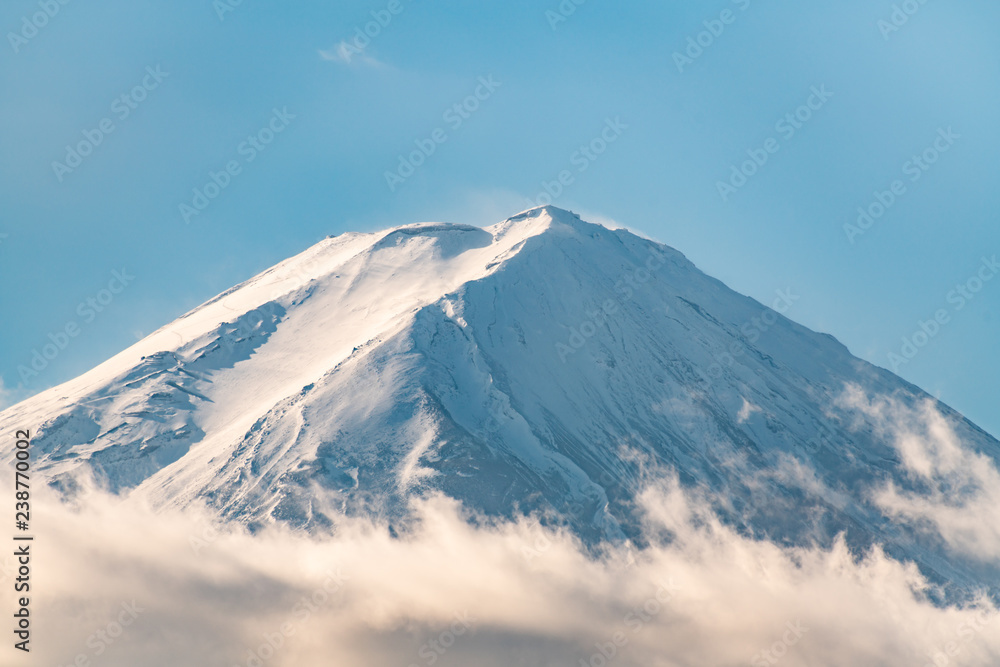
(540, 365)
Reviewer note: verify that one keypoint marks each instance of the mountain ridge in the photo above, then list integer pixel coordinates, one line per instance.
(541, 365)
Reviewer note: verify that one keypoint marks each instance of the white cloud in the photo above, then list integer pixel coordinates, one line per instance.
(450, 594)
(611, 223)
(746, 410)
(959, 496)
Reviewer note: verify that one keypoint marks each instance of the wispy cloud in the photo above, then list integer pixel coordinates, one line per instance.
(955, 492)
(346, 53)
(611, 223)
(746, 411)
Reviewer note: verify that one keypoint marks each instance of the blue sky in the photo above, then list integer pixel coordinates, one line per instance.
(645, 122)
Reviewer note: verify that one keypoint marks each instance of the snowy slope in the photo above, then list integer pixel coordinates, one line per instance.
(539, 365)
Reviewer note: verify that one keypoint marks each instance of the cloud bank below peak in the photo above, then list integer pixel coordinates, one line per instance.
(450, 593)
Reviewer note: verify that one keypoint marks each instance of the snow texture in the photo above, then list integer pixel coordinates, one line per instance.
(543, 365)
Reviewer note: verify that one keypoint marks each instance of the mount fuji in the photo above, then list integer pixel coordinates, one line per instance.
(542, 366)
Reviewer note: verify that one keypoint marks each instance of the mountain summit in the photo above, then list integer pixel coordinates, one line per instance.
(543, 365)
